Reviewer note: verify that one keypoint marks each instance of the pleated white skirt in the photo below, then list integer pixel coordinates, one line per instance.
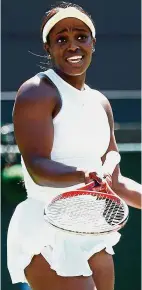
(67, 254)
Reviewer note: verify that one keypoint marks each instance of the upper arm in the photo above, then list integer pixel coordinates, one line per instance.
(107, 107)
(112, 144)
(33, 125)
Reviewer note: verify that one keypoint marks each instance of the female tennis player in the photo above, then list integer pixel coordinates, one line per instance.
(64, 130)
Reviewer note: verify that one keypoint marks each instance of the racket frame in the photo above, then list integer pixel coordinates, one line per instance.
(110, 194)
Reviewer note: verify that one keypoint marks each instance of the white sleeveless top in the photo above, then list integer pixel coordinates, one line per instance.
(81, 134)
(81, 137)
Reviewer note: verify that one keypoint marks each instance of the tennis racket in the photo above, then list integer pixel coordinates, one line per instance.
(91, 210)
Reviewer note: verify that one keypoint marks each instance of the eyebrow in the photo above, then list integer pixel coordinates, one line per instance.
(74, 29)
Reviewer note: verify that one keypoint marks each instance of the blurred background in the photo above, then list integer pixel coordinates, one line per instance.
(115, 71)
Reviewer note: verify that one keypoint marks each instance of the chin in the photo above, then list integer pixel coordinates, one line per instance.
(74, 71)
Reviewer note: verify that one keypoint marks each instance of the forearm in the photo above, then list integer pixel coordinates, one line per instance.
(130, 191)
(50, 173)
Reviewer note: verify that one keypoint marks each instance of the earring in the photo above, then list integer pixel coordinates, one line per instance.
(49, 56)
(93, 49)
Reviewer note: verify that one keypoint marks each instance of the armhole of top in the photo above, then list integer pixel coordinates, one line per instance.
(42, 75)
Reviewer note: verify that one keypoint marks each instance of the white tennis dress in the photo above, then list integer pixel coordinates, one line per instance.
(81, 137)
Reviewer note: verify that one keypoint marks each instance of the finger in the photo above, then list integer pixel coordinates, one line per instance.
(95, 177)
(87, 177)
(108, 178)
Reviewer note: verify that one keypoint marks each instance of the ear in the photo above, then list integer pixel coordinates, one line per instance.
(46, 48)
(93, 44)
(94, 41)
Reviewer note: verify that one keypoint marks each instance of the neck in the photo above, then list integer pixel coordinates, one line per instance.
(75, 81)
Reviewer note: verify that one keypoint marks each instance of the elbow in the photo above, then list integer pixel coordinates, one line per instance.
(37, 180)
(34, 173)
(40, 179)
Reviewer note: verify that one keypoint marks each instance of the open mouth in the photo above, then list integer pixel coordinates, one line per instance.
(75, 59)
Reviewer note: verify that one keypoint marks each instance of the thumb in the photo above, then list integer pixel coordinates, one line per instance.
(96, 177)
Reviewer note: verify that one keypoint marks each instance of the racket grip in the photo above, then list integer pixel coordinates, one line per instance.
(112, 159)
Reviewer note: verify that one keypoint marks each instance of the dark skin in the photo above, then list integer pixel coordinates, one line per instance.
(71, 37)
(36, 105)
(44, 102)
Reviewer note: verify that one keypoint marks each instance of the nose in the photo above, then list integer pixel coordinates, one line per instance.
(73, 47)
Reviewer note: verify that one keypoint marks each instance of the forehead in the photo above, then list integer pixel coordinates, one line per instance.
(70, 23)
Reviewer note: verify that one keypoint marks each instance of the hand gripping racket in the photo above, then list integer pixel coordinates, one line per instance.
(91, 209)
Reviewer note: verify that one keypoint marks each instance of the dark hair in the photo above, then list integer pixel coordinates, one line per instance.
(54, 10)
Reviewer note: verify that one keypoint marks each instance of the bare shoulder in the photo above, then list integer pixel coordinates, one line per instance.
(36, 92)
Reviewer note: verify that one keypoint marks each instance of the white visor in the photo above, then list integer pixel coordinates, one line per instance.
(67, 13)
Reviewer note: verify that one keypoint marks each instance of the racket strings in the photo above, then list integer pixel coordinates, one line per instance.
(85, 213)
(113, 212)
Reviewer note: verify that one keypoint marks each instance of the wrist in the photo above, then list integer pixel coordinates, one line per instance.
(84, 175)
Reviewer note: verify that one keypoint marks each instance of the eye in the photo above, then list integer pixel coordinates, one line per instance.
(61, 39)
(82, 37)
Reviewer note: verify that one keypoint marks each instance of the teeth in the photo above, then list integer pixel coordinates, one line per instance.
(74, 59)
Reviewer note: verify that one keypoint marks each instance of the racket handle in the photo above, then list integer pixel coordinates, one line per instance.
(112, 159)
